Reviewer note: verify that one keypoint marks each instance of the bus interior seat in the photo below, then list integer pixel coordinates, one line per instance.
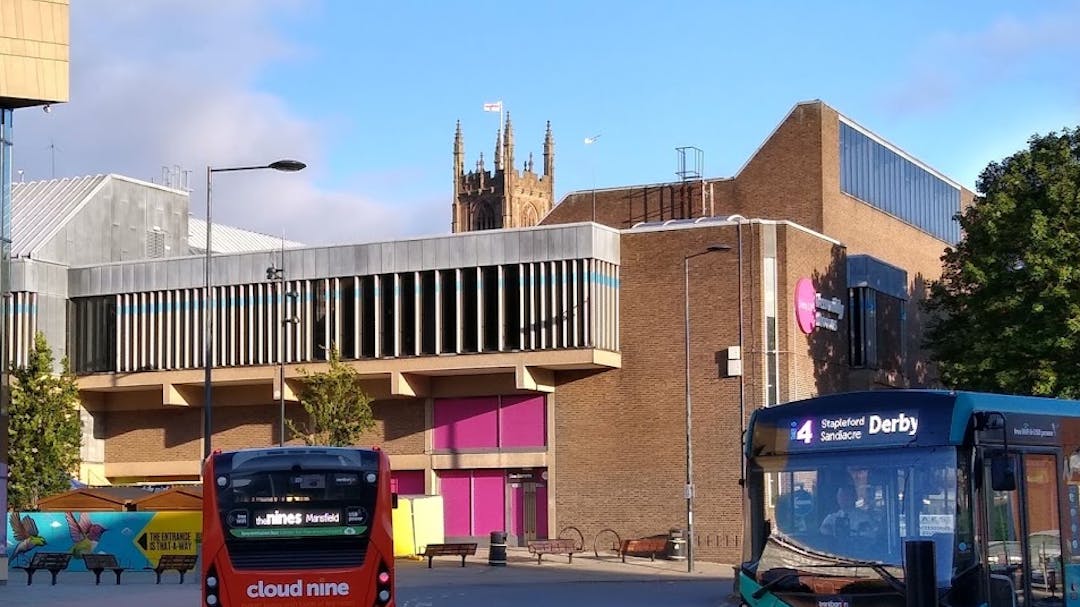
(1002, 591)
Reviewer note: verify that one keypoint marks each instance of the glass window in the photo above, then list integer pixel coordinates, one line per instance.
(849, 514)
(879, 176)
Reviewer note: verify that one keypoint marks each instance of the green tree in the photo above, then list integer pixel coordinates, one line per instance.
(1005, 316)
(45, 432)
(338, 410)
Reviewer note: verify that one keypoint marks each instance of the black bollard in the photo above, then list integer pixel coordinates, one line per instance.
(920, 573)
(497, 550)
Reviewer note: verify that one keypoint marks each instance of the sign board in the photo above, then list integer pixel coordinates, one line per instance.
(138, 539)
(852, 430)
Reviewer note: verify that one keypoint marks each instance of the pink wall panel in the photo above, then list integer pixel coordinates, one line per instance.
(407, 482)
(466, 423)
(489, 501)
(541, 512)
(523, 421)
(454, 487)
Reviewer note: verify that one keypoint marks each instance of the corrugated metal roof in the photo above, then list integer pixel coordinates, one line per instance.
(227, 239)
(40, 208)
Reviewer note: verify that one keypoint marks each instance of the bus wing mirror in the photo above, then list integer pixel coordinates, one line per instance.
(393, 501)
(1002, 473)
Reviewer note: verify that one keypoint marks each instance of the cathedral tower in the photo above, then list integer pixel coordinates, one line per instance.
(503, 196)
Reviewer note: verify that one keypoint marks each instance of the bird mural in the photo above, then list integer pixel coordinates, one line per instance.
(26, 534)
(85, 535)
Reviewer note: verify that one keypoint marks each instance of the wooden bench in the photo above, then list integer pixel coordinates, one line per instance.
(651, 546)
(180, 563)
(463, 550)
(97, 563)
(559, 546)
(53, 562)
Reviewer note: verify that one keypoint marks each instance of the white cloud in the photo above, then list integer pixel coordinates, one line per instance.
(173, 82)
(958, 64)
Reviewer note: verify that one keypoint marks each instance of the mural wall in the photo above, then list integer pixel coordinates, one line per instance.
(138, 539)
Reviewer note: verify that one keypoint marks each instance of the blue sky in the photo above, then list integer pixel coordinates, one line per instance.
(368, 93)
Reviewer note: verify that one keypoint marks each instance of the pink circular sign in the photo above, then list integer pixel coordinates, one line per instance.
(805, 305)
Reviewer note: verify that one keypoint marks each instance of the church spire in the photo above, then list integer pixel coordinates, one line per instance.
(508, 144)
(549, 153)
(498, 152)
(459, 151)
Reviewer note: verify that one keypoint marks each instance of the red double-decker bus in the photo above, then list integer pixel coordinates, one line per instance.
(291, 526)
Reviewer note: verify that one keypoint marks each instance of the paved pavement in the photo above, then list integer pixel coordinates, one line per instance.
(586, 581)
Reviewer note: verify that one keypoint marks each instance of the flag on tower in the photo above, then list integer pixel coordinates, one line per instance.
(493, 107)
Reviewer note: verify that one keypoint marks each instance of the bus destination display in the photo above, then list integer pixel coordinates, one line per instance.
(297, 522)
(861, 429)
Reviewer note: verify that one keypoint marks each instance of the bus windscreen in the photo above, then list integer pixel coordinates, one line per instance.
(277, 505)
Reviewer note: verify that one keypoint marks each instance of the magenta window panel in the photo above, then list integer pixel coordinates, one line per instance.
(454, 486)
(466, 423)
(541, 511)
(489, 501)
(523, 421)
(407, 482)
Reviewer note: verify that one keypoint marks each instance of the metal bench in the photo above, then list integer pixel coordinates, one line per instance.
(433, 550)
(53, 562)
(180, 563)
(97, 563)
(559, 546)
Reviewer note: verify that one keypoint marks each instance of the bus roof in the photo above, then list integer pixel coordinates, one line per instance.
(295, 450)
(944, 414)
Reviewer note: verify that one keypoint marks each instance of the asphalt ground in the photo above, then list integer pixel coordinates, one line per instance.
(588, 580)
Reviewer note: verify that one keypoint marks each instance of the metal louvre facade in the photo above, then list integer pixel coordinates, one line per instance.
(890, 181)
(569, 303)
(21, 324)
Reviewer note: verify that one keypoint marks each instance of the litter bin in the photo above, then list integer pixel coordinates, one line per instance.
(677, 544)
(497, 549)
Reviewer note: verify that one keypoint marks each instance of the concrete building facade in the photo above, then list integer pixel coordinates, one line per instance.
(536, 377)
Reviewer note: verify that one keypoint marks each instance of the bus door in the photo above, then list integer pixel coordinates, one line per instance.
(1022, 530)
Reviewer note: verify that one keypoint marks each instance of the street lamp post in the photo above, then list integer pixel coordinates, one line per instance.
(278, 274)
(209, 309)
(689, 408)
(742, 354)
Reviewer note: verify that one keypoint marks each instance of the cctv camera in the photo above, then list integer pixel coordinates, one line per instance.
(46, 108)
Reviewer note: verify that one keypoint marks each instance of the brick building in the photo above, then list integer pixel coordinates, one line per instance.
(534, 375)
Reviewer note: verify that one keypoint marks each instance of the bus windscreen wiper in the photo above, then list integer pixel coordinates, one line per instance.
(876, 566)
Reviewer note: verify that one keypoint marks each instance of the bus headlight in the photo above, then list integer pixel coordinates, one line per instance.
(383, 583)
(211, 590)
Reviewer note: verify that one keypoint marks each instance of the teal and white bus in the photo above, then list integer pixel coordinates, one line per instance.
(837, 486)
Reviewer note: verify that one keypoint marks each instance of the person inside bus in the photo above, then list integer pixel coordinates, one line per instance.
(847, 520)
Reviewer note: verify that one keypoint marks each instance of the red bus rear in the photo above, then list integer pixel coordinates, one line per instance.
(290, 526)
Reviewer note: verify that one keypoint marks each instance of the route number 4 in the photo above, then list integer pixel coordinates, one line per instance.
(805, 432)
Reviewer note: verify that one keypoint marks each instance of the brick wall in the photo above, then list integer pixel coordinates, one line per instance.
(625, 207)
(865, 229)
(620, 435)
(817, 363)
(169, 434)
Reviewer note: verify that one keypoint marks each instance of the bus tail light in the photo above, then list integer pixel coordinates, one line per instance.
(384, 585)
(211, 587)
